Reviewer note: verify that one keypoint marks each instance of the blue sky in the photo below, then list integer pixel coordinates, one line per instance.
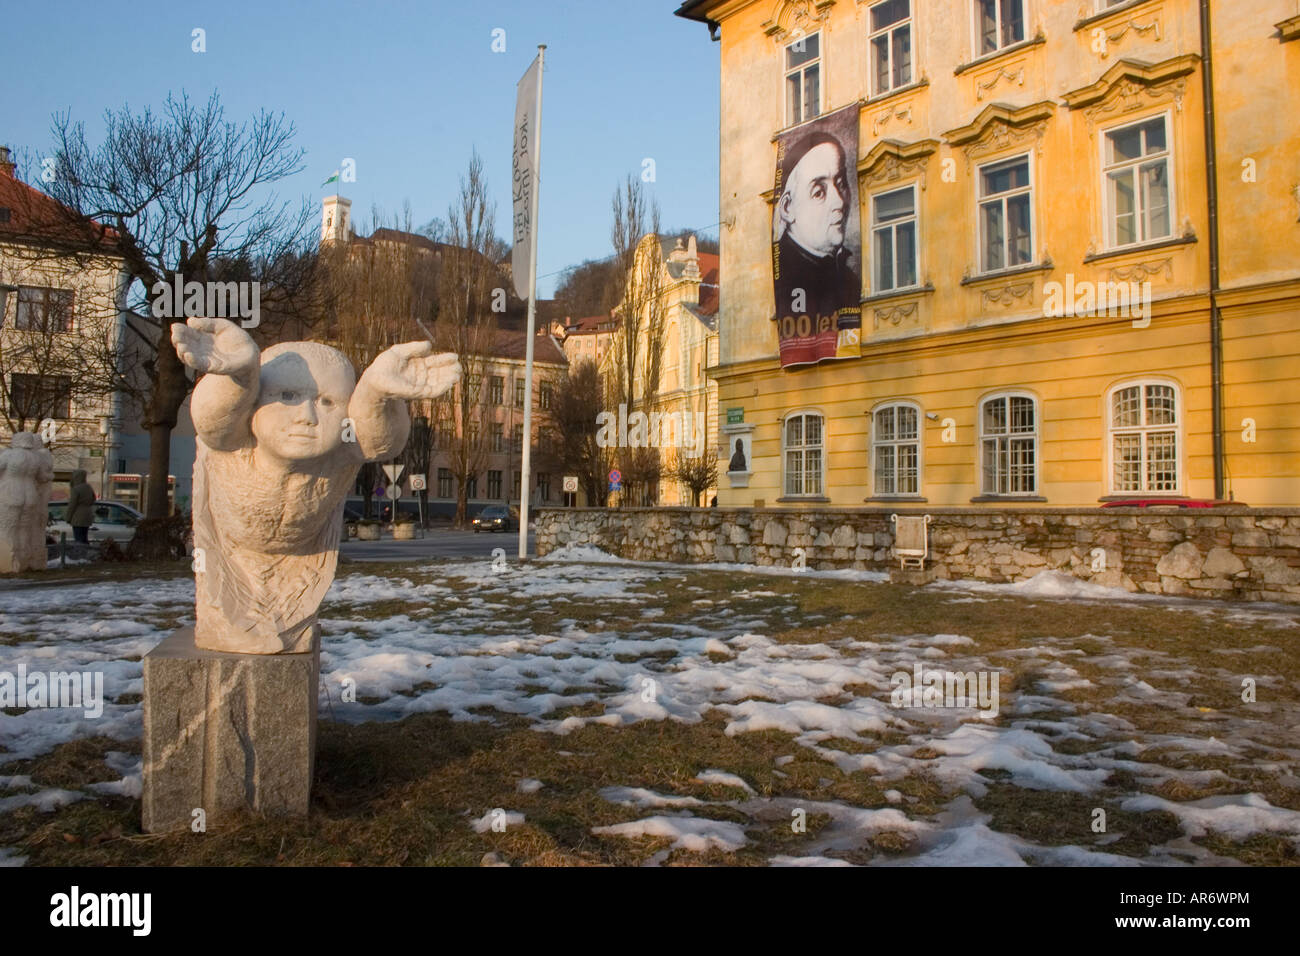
(407, 90)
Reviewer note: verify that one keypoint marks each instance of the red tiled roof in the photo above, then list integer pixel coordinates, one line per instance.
(35, 217)
(513, 345)
(590, 325)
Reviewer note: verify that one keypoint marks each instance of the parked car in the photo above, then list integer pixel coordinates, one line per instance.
(496, 518)
(112, 520)
(381, 509)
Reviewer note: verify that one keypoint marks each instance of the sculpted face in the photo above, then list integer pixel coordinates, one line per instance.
(302, 403)
(815, 202)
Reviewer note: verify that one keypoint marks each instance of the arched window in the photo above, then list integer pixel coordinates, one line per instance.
(803, 447)
(1144, 442)
(896, 449)
(1009, 445)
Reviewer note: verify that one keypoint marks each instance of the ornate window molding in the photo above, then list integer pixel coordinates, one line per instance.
(1018, 78)
(896, 315)
(889, 161)
(1000, 127)
(792, 18)
(1288, 29)
(1131, 85)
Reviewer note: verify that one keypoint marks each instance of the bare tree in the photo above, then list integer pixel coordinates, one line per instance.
(698, 474)
(381, 290)
(636, 361)
(578, 401)
(418, 455)
(45, 363)
(181, 190)
(469, 286)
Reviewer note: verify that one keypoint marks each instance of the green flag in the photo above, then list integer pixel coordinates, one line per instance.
(332, 179)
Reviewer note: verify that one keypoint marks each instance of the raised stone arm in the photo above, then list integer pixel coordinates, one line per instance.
(378, 406)
(225, 397)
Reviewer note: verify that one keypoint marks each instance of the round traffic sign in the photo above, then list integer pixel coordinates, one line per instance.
(615, 475)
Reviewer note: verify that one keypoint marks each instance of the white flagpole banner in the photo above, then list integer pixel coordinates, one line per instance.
(527, 163)
(524, 174)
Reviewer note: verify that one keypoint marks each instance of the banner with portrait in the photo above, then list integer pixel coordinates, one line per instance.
(817, 241)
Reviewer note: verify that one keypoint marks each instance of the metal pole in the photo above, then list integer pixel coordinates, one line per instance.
(525, 486)
(1216, 318)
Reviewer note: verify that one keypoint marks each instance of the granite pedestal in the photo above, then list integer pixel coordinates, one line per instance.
(226, 732)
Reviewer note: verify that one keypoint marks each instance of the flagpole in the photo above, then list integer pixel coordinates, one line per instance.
(525, 487)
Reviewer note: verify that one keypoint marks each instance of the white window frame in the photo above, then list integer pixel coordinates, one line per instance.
(977, 35)
(1112, 431)
(802, 69)
(919, 441)
(805, 413)
(1108, 221)
(893, 226)
(908, 23)
(980, 199)
(1009, 436)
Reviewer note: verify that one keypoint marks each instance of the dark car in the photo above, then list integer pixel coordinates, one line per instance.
(496, 518)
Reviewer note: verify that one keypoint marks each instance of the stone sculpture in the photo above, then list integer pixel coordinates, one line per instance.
(281, 437)
(26, 471)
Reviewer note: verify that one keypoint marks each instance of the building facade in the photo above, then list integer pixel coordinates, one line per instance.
(1069, 293)
(63, 314)
(397, 275)
(690, 289)
(499, 480)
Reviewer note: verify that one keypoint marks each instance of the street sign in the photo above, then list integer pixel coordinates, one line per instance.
(393, 472)
(735, 416)
(417, 483)
(615, 476)
(570, 484)
(395, 491)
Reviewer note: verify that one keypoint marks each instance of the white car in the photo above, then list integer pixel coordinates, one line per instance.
(112, 520)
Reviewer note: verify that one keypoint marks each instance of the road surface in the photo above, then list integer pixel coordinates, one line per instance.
(437, 543)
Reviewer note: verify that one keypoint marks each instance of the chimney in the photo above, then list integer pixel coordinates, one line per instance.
(6, 164)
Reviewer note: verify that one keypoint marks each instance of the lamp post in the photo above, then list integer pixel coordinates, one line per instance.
(105, 424)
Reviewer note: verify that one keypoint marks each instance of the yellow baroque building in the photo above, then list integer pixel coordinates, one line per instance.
(1079, 251)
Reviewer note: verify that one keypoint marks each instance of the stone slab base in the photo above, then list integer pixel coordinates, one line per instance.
(226, 732)
(915, 576)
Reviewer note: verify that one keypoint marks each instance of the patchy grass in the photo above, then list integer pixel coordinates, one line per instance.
(407, 793)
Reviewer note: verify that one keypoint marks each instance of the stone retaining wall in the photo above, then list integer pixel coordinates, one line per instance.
(1235, 552)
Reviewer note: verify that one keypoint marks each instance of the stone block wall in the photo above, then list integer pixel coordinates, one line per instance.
(1233, 552)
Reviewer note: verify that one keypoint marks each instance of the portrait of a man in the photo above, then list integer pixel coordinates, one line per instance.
(815, 242)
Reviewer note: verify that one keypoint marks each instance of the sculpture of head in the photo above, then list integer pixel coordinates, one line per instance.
(303, 400)
(26, 440)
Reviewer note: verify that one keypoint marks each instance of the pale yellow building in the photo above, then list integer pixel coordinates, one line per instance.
(686, 287)
(1010, 153)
